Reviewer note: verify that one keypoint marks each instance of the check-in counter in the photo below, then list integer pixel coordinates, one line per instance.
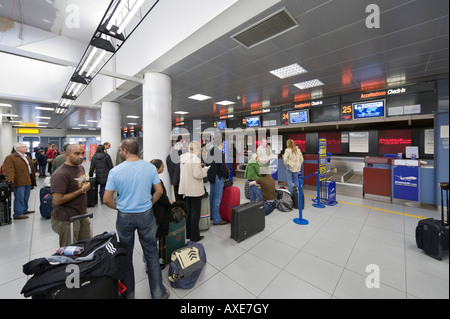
(377, 176)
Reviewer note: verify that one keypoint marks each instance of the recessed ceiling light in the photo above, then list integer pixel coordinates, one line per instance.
(6, 105)
(76, 128)
(43, 117)
(132, 124)
(309, 84)
(181, 112)
(45, 123)
(225, 103)
(82, 125)
(12, 115)
(288, 71)
(92, 121)
(132, 117)
(199, 97)
(44, 108)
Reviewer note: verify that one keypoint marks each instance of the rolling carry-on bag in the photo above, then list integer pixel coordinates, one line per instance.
(432, 236)
(175, 239)
(205, 213)
(247, 219)
(295, 198)
(92, 193)
(45, 207)
(5, 202)
(231, 197)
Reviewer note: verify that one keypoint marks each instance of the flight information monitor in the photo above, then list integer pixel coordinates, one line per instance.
(370, 109)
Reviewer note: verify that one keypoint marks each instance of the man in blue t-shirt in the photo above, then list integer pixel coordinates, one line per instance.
(133, 179)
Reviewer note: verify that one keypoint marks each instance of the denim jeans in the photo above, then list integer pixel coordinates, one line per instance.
(256, 196)
(145, 224)
(215, 197)
(42, 170)
(101, 188)
(291, 177)
(21, 197)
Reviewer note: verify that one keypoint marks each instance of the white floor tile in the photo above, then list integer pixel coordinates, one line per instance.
(325, 259)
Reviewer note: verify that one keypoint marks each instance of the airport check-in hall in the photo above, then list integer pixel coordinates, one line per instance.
(330, 121)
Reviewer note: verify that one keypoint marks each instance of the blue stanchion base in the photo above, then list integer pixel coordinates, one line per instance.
(302, 221)
(317, 205)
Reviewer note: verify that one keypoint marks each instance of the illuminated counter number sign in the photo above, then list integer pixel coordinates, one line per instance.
(347, 111)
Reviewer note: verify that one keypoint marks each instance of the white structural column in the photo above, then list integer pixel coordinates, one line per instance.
(110, 127)
(157, 121)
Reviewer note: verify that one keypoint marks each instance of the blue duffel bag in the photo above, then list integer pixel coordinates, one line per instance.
(186, 265)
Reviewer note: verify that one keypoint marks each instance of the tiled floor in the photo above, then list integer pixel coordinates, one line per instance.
(328, 258)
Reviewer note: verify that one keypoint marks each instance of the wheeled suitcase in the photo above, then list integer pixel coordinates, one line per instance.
(295, 198)
(247, 219)
(231, 197)
(5, 202)
(205, 213)
(92, 193)
(45, 207)
(433, 235)
(175, 239)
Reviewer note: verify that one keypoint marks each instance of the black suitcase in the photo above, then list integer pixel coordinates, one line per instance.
(92, 193)
(5, 202)
(247, 219)
(433, 235)
(45, 207)
(295, 198)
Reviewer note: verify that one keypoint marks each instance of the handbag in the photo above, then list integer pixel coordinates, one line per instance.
(176, 212)
(228, 182)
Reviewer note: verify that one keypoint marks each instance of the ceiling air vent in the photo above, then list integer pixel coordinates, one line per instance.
(266, 29)
(131, 97)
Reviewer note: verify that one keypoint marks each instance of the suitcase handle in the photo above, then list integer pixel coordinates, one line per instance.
(74, 218)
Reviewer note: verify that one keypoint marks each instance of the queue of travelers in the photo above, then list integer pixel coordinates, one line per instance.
(142, 202)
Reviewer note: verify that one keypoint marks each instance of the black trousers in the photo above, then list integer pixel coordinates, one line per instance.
(193, 205)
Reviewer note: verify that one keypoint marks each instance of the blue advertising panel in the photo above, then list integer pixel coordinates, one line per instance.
(253, 121)
(406, 183)
(368, 109)
(298, 117)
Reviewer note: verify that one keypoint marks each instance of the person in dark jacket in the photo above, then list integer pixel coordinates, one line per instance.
(173, 166)
(101, 164)
(217, 173)
(42, 162)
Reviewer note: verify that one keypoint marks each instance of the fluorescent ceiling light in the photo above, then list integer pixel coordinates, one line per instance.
(309, 84)
(42, 123)
(82, 125)
(44, 108)
(4, 104)
(132, 124)
(12, 115)
(92, 121)
(225, 103)
(15, 121)
(132, 116)
(199, 97)
(76, 128)
(137, 5)
(181, 112)
(288, 71)
(43, 117)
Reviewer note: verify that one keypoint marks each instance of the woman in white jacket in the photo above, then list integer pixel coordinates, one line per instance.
(191, 185)
(293, 160)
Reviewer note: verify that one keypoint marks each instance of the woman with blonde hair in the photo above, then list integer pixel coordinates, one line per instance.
(191, 186)
(293, 160)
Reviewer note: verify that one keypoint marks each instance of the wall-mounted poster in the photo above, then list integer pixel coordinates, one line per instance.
(359, 142)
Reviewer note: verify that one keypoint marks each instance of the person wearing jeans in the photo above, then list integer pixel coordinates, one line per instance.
(215, 197)
(266, 193)
(19, 171)
(146, 227)
(133, 179)
(293, 160)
